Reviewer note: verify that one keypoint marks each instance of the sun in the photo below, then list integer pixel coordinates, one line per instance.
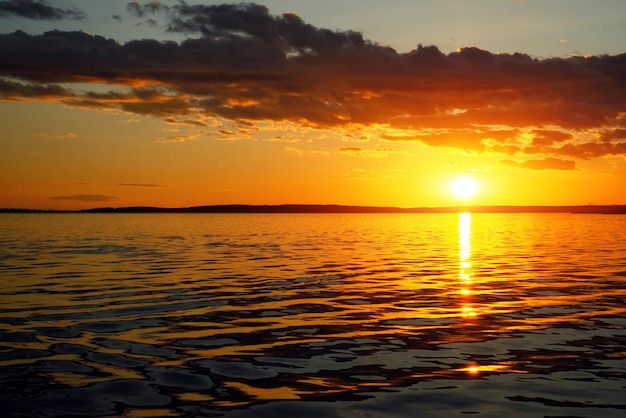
(464, 187)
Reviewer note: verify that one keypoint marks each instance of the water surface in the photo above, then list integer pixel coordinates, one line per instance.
(334, 315)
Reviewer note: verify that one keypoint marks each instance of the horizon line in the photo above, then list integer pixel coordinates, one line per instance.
(337, 208)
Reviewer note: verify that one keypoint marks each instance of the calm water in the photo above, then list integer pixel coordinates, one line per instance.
(369, 315)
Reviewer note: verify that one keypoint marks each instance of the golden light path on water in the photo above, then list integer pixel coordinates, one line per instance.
(467, 291)
(465, 263)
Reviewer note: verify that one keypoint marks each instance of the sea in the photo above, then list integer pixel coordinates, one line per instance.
(312, 315)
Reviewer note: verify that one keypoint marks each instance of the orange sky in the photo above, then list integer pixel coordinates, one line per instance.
(256, 106)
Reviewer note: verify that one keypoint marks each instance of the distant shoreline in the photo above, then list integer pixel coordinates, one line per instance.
(299, 208)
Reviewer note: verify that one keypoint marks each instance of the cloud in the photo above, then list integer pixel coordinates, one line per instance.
(12, 90)
(613, 135)
(142, 185)
(542, 137)
(38, 10)
(470, 140)
(174, 121)
(180, 138)
(87, 197)
(302, 151)
(543, 164)
(138, 9)
(241, 63)
(367, 153)
(593, 149)
(63, 135)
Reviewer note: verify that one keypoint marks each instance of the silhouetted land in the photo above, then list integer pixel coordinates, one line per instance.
(604, 209)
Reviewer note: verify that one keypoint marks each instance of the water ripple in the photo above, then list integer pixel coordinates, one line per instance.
(245, 315)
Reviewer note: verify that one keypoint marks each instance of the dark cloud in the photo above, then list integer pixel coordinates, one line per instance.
(614, 135)
(242, 63)
(543, 164)
(138, 9)
(38, 10)
(545, 137)
(11, 90)
(591, 150)
(87, 197)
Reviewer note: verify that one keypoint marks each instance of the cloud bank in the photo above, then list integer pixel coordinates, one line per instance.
(241, 63)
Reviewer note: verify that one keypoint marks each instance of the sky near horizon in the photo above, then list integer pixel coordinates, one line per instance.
(355, 102)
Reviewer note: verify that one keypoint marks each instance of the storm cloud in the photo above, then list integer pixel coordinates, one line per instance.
(239, 62)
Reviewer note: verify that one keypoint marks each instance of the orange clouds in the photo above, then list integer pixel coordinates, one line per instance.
(543, 164)
(243, 64)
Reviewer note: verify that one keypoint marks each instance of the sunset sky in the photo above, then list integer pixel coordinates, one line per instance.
(354, 102)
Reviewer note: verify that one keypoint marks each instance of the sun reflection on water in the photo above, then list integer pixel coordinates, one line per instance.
(505, 367)
(465, 264)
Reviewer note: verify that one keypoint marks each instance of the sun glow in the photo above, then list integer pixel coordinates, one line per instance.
(464, 187)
